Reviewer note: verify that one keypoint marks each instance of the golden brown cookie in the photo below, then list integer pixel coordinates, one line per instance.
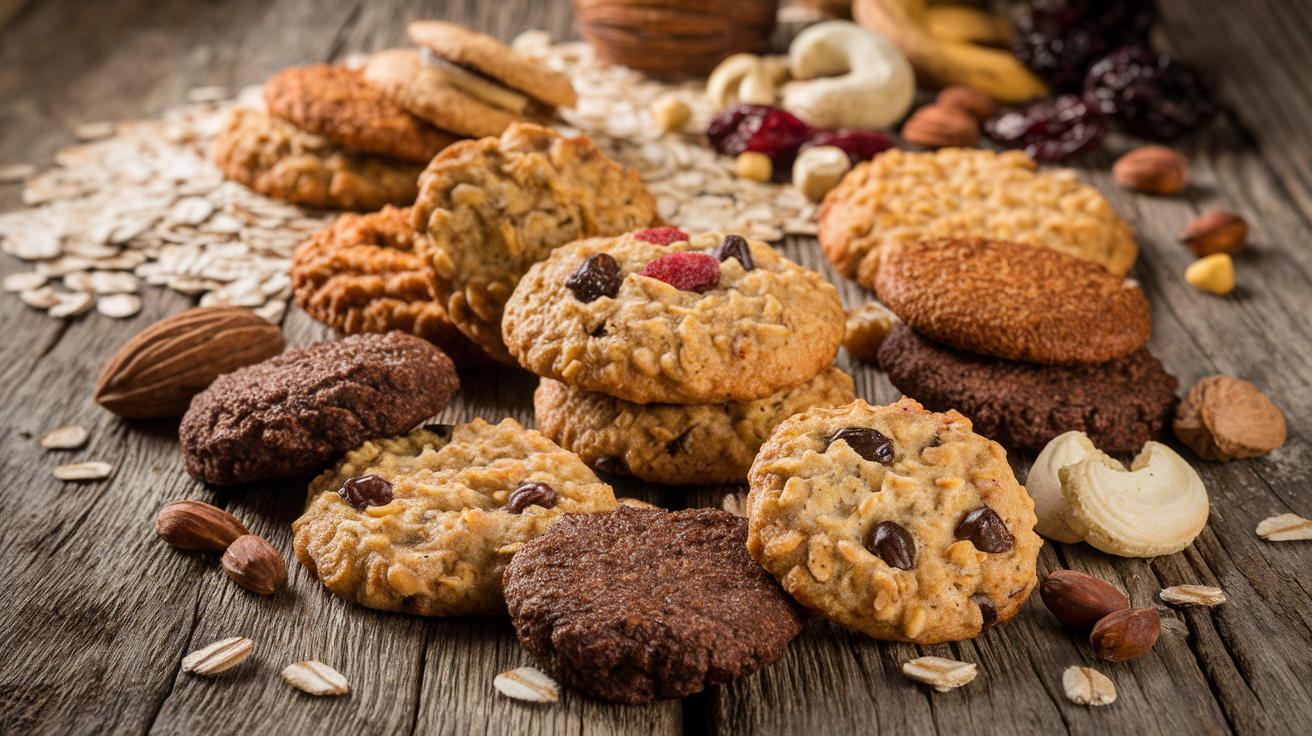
(336, 103)
(1014, 301)
(489, 209)
(894, 521)
(361, 274)
(279, 160)
(904, 196)
(425, 92)
(486, 55)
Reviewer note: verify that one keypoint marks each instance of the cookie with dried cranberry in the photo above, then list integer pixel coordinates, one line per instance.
(894, 521)
(1120, 404)
(425, 522)
(640, 604)
(296, 412)
(676, 444)
(697, 320)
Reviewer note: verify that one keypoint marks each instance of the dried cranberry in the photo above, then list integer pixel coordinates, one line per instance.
(685, 271)
(759, 128)
(859, 145)
(597, 276)
(870, 444)
(1061, 39)
(661, 235)
(892, 543)
(531, 493)
(986, 530)
(1049, 130)
(735, 246)
(365, 491)
(1150, 95)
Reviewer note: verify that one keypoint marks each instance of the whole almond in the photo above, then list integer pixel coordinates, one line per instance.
(1125, 634)
(1152, 169)
(254, 564)
(157, 372)
(1215, 232)
(970, 100)
(196, 525)
(1079, 600)
(940, 126)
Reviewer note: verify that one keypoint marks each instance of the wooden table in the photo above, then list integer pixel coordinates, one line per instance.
(96, 613)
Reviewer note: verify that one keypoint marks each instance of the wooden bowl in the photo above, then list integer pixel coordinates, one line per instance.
(671, 37)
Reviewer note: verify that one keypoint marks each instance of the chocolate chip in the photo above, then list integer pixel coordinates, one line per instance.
(596, 277)
(893, 544)
(611, 464)
(734, 246)
(986, 609)
(866, 442)
(600, 331)
(443, 431)
(365, 491)
(986, 530)
(531, 493)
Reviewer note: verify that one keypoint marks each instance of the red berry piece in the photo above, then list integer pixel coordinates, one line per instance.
(759, 128)
(859, 145)
(1049, 130)
(685, 271)
(661, 235)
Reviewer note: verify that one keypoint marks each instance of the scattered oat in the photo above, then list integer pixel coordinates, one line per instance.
(84, 471)
(207, 94)
(25, 281)
(1193, 595)
(735, 503)
(526, 683)
(316, 678)
(636, 503)
(42, 298)
(942, 674)
(11, 173)
(71, 305)
(1285, 528)
(65, 438)
(119, 306)
(1085, 686)
(221, 655)
(93, 131)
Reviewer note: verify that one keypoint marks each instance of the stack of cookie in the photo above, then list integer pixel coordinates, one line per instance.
(671, 358)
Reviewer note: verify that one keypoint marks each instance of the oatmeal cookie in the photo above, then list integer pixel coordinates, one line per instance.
(486, 56)
(903, 196)
(489, 209)
(424, 92)
(894, 521)
(754, 327)
(425, 522)
(676, 444)
(361, 274)
(336, 103)
(298, 411)
(640, 604)
(279, 160)
(1014, 301)
(1120, 404)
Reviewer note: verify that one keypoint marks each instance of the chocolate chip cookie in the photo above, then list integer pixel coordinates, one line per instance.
(699, 320)
(425, 523)
(893, 521)
(1120, 404)
(489, 209)
(640, 604)
(704, 444)
(298, 411)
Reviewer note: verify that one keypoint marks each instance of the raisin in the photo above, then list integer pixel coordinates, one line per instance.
(866, 442)
(1150, 95)
(685, 271)
(1060, 39)
(759, 128)
(661, 235)
(531, 493)
(892, 543)
(859, 145)
(596, 277)
(734, 246)
(986, 609)
(611, 464)
(986, 530)
(365, 491)
(1049, 130)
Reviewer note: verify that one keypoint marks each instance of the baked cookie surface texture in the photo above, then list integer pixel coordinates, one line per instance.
(489, 57)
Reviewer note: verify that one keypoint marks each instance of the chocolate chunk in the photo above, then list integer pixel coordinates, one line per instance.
(735, 246)
(866, 442)
(986, 530)
(986, 609)
(365, 491)
(892, 543)
(531, 493)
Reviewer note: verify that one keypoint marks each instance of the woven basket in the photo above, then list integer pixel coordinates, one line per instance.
(671, 37)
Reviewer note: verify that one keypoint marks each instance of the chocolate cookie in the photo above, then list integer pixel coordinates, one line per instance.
(492, 60)
(1014, 301)
(336, 103)
(361, 274)
(638, 604)
(1120, 404)
(298, 411)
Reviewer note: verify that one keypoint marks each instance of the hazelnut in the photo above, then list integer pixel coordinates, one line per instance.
(1079, 600)
(1214, 273)
(969, 100)
(1215, 232)
(754, 166)
(254, 564)
(198, 526)
(1152, 169)
(1222, 418)
(670, 112)
(940, 126)
(1126, 634)
(819, 169)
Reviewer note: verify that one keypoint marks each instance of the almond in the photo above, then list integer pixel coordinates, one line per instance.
(1079, 600)
(1215, 232)
(157, 372)
(196, 525)
(939, 126)
(254, 564)
(1126, 634)
(969, 100)
(1152, 169)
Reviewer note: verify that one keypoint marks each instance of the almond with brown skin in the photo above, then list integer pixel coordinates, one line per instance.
(940, 126)
(1126, 634)
(970, 100)
(1079, 600)
(1215, 232)
(198, 526)
(157, 372)
(254, 564)
(1152, 169)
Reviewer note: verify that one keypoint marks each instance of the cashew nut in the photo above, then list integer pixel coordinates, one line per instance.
(740, 78)
(853, 78)
(819, 169)
(1044, 486)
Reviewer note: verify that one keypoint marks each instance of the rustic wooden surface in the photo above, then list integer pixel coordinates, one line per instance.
(95, 613)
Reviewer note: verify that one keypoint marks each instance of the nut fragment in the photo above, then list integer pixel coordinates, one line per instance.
(221, 655)
(1285, 528)
(1086, 686)
(969, 100)
(84, 471)
(254, 564)
(754, 166)
(1214, 274)
(1079, 600)
(1193, 595)
(1215, 232)
(1152, 169)
(1222, 418)
(819, 169)
(196, 525)
(867, 326)
(65, 438)
(942, 674)
(735, 503)
(316, 678)
(1125, 635)
(670, 112)
(526, 683)
(636, 503)
(940, 126)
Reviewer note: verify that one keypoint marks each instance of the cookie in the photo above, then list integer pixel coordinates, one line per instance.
(298, 411)
(425, 93)
(1014, 301)
(425, 523)
(489, 209)
(676, 444)
(361, 274)
(336, 103)
(755, 326)
(904, 196)
(279, 160)
(640, 604)
(488, 57)
(1120, 404)
(894, 521)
